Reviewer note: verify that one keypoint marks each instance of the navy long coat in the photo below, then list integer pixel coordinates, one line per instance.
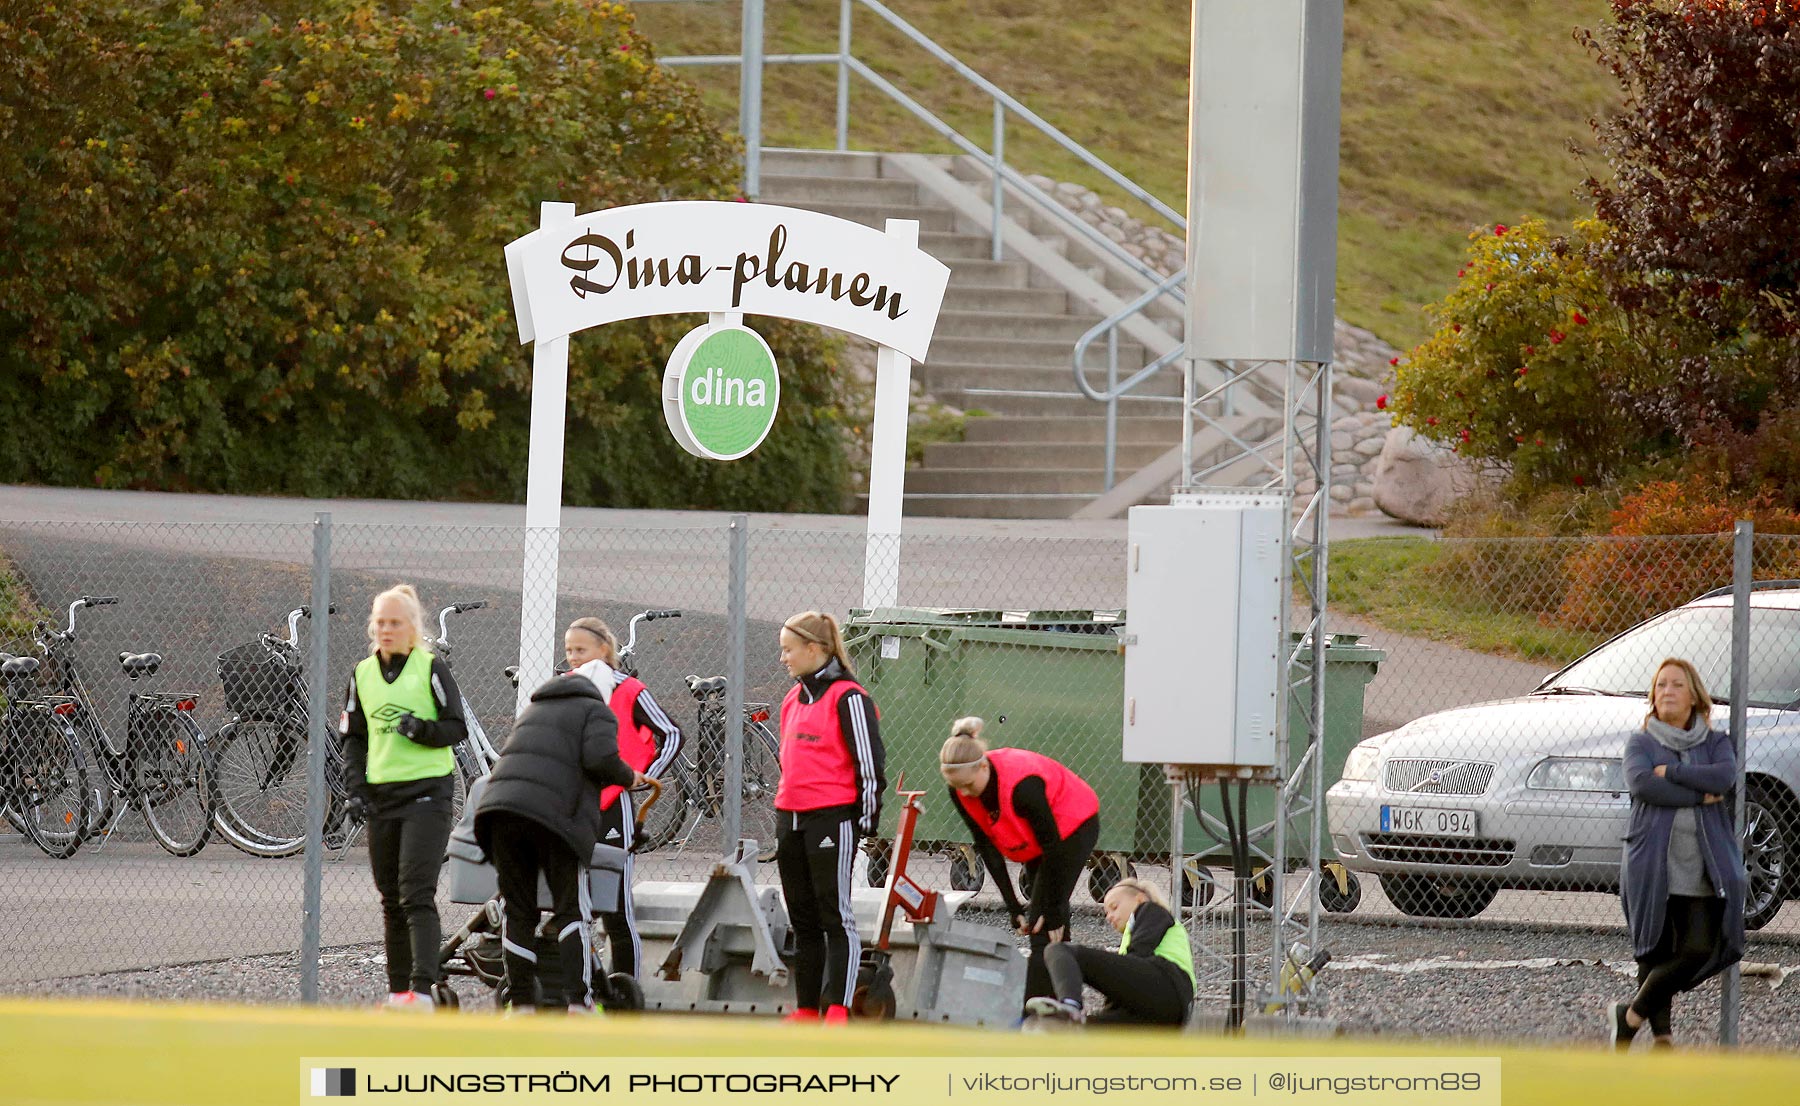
(1711, 768)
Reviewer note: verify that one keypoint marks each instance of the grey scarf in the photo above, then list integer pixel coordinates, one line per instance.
(1676, 738)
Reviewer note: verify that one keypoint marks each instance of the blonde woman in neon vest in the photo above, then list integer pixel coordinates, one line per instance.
(1149, 981)
(401, 717)
(1024, 807)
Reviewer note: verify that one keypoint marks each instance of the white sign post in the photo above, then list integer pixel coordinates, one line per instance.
(723, 259)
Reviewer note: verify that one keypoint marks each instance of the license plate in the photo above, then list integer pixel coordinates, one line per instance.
(1434, 820)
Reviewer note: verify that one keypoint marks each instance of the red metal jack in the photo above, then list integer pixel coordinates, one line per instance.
(875, 975)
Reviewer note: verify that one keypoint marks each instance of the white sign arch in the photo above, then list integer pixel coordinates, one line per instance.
(726, 259)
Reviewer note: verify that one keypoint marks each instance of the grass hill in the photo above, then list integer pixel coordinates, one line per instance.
(1456, 113)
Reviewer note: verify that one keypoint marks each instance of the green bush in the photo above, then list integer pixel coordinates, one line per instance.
(1531, 366)
(251, 250)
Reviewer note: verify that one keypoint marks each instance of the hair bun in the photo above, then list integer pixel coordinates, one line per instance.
(970, 726)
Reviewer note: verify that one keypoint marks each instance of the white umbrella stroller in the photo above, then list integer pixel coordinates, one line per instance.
(474, 950)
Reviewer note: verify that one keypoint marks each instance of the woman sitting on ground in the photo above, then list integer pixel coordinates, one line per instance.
(1149, 981)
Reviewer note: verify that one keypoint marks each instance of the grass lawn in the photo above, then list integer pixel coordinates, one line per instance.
(1456, 113)
(1391, 582)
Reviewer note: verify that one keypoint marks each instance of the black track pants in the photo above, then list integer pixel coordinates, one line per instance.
(1138, 991)
(623, 945)
(521, 849)
(814, 851)
(1061, 867)
(406, 851)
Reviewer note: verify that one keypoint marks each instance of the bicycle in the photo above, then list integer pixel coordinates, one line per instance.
(259, 753)
(165, 769)
(44, 790)
(475, 757)
(694, 784)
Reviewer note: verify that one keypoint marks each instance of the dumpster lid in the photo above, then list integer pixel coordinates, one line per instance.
(1092, 621)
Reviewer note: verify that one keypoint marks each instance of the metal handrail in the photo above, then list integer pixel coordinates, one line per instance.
(1003, 175)
(1109, 326)
(1025, 113)
(848, 63)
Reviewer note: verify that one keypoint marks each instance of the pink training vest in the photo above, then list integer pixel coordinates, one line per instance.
(1072, 802)
(817, 767)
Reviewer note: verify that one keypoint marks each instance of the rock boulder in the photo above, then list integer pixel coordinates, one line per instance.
(1417, 480)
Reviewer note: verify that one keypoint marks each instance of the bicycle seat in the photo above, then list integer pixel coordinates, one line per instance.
(138, 665)
(709, 686)
(19, 666)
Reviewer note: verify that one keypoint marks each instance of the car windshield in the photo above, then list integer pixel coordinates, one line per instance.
(1701, 635)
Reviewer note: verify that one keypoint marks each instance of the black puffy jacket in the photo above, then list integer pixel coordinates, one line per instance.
(563, 749)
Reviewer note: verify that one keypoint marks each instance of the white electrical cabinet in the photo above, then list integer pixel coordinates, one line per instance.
(1203, 630)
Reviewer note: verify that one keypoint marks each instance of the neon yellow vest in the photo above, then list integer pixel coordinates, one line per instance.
(393, 758)
(1173, 947)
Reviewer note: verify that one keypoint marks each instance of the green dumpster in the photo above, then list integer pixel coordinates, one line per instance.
(1044, 680)
(1052, 681)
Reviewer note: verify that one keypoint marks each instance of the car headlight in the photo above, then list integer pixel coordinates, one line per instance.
(1578, 774)
(1359, 764)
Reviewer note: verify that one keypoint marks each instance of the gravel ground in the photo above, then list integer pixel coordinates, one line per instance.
(1484, 984)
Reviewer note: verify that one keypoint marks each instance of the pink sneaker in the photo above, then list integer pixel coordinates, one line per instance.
(837, 1015)
(409, 1000)
(802, 1016)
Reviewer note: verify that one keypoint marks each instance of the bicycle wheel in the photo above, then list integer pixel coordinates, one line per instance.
(762, 774)
(174, 780)
(670, 813)
(55, 797)
(260, 778)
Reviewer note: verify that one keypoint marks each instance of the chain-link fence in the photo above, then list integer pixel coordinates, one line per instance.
(1476, 805)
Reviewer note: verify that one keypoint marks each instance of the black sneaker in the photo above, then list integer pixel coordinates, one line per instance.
(1619, 1031)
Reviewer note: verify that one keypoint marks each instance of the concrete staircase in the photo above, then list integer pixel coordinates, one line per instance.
(1008, 326)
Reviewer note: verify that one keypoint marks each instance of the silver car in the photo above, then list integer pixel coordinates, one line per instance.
(1451, 808)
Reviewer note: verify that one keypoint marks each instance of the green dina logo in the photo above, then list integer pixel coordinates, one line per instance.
(720, 392)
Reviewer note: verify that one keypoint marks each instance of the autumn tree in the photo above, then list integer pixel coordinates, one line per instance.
(256, 247)
(1703, 195)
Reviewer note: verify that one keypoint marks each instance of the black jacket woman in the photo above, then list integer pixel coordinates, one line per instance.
(832, 777)
(401, 717)
(1682, 874)
(540, 814)
(1024, 806)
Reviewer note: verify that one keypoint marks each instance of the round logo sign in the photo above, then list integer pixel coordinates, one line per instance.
(720, 391)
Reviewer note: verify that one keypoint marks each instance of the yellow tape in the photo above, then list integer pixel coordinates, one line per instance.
(71, 1053)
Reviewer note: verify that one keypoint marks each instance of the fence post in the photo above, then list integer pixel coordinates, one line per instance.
(318, 714)
(737, 620)
(1743, 544)
(750, 75)
(843, 76)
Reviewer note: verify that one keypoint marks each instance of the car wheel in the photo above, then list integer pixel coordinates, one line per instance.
(1438, 896)
(1767, 863)
(1335, 898)
(1198, 886)
(1105, 871)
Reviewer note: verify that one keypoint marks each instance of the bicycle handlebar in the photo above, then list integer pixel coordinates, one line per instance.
(455, 608)
(99, 600)
(630, 645)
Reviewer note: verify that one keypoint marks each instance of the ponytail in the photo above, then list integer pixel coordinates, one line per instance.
(821, 629)
(965, 749)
